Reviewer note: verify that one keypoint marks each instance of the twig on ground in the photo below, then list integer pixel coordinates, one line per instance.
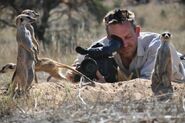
(79, 94)
(183, 103)
(36, 103)
(21, 109)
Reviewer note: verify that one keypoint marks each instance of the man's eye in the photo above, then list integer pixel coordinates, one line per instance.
(128, 37)
(116, 37)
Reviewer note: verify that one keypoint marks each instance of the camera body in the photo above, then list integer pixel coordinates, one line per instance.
(106, 66)
(99, 57)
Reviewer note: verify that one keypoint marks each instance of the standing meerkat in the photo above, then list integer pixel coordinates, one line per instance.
(29, 26)
(162, 74)
(24, 73)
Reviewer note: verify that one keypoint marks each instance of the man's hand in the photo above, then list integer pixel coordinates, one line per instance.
(100, 77)
(70, 75)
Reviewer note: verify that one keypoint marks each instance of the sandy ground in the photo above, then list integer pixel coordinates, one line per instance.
(137, 89)
(115, 102)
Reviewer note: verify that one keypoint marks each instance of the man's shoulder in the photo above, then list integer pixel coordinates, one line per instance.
(149, 38)
(149, 41)
(148, 35)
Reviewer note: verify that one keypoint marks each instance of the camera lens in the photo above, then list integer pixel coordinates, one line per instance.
(89, 68)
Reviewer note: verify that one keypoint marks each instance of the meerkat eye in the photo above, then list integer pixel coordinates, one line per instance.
(21, 19)
(163, 35)
(29, 18)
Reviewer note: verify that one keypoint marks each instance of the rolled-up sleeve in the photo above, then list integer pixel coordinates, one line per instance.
(147, 68)
(177, 67)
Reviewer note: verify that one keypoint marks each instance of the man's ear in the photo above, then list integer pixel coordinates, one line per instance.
(138, 30)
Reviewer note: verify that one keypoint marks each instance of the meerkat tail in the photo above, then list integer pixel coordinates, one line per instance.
(9, 66)
(70, 68)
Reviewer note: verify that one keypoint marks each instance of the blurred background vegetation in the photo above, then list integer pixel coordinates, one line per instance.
(64, 24)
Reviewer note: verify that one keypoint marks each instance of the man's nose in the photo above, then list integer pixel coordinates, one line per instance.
(125, 43)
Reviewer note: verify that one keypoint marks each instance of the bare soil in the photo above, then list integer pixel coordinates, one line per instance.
(127, 101)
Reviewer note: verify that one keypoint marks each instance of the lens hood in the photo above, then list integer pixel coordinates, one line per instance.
(89, 67)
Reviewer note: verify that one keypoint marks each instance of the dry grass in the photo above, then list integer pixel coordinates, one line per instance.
(118, 102)
(168, 17)
(123, 102)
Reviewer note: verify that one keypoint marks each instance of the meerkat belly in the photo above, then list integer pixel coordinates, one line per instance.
(25, 59)
(21, 57)
(28, 35)
(164, 59)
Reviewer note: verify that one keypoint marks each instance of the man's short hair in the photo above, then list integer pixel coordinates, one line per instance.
(118, 16)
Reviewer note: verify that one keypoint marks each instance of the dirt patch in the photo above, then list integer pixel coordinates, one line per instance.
(128, 101)
(137, 89)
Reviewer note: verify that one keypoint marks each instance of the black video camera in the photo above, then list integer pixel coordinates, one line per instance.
(100, 57)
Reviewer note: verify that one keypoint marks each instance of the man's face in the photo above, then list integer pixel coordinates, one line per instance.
(129, 36)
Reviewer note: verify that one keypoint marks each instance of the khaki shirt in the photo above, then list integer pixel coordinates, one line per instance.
(143, 63)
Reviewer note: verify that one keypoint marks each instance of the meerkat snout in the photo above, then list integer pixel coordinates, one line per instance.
(166, 35)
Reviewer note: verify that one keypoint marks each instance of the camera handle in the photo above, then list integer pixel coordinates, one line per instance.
(114, 44)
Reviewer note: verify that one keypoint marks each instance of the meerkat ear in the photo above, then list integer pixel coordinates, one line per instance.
(17, 20)
(36, 13)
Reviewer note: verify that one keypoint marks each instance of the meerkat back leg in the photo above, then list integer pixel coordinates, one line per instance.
(12, 89)
(12, 86)
(62, 76)
(57, 76)
(166, 81)
(24, 79)
(36, 80)
(49, 77)
(167, 76)
(30, 77)
(155, 82)
(17, 85)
